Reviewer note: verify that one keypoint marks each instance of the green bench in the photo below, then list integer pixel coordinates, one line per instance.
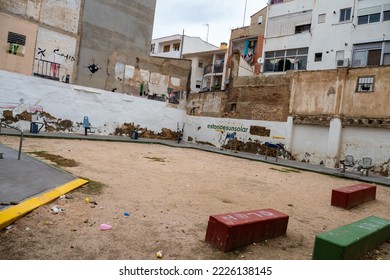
(352, 241)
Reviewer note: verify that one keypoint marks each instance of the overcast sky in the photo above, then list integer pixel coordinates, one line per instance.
(172, 16)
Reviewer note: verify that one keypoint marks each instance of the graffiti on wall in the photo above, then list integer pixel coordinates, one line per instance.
(16, 43)
(49, 68)
(20, 107)
(16, 49)
(93, 68)
(66, 56)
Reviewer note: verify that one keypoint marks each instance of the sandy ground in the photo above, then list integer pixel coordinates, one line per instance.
(169, 194)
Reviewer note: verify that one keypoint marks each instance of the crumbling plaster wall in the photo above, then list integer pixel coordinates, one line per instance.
(317, 96)
(61, 107)
(259, 98)
(157, 75)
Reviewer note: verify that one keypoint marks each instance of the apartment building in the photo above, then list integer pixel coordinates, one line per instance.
(249, 41)
(208, 69)
(321, 35)
(175, 46)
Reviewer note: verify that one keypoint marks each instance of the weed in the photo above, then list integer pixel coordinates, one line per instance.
(59, 160)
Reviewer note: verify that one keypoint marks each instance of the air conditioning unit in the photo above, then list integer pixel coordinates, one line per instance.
(342, 62)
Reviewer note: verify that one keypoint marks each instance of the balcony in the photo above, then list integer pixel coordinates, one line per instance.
(47, 69)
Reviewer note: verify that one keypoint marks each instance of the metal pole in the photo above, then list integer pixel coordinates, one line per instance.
(243, 22)
(20, 144)
(181, 45)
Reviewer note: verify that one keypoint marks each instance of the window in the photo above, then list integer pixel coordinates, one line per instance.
(276, 1)
(167, 48)
(176, 47)
(198, 84)
(345, 14)
(365, 84)
(302, 28)
(260, 20)
(152, 47)
(15, 38)
(369, 18)
(386, 15)
(16, 43)
(233, 107)
(374, 57)
(339, 55)
(321, 18)
(200, 63)
(375, 53)
(317, 57)
(284, 60)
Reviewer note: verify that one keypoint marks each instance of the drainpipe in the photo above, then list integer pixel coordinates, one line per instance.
(181, 45)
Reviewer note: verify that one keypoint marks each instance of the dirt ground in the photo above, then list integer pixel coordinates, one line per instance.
(169, 194)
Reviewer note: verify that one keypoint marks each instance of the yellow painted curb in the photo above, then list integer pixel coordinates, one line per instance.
(11, 214)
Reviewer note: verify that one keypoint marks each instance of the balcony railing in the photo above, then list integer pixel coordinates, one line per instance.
(47, 69)
(218, 68)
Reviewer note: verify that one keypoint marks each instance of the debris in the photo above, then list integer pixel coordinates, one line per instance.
(27, 229)
(86, 221)
(93, 202)
(9, 227)
(290, 205)
(126, 214)
(105, 227)
(55, 209)
(69, 196)
(14, 203)
(62, 196)
(242, 257)
(5, 203)
(159, 254)
(87, 200)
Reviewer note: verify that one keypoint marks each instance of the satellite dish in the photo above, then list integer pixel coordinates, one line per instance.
(260, 60)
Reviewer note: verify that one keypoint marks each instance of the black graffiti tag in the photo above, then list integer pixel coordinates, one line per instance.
(66, 56)
(41, 52)
(93, 68)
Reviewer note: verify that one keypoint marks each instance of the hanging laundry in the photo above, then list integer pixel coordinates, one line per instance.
(246, 47)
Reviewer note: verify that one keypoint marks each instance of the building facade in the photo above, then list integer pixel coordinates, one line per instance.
(298, 34)
(73, 41)
(249, 42)
(175, 46)
(208, 70)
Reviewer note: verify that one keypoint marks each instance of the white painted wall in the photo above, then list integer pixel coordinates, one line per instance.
(58, 48)
(214, 130)
(106, 110)
(330, 36)
(377, 31)
(190, 45)
(290, 7)
(366, 142)
(310, 143)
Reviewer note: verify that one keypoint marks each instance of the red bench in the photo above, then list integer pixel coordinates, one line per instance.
(232, 230)
(350, 196)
